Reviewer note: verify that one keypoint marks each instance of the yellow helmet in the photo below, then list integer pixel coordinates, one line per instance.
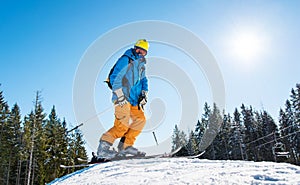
(142, 43)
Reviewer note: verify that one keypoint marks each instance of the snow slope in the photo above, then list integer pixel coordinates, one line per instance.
(184, 171)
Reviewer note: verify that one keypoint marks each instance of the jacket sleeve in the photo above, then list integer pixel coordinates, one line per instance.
(119, 72)
(144, 80)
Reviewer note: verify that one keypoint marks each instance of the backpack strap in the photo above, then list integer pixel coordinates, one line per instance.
(130, 59)
(112, 69)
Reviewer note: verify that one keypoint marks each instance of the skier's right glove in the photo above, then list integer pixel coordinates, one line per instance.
(121, 98)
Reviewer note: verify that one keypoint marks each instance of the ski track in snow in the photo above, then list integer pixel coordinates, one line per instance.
(183, 171)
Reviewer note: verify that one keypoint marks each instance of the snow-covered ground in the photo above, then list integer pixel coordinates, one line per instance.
(184, 171)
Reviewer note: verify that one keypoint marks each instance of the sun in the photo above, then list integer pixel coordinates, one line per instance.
(247, 46)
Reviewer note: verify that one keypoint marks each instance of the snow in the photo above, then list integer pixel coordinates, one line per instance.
(184, 171)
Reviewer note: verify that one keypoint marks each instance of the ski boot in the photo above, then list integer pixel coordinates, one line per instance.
(121, 144)
(130, 150)
(104, 151)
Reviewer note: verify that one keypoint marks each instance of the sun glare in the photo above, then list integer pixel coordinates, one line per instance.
(246, 46)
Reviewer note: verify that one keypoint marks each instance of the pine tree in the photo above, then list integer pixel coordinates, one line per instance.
(269, 128)
(223, 139)
(71, 157)
(250, 135)
(176, 142)
(289, 120)
(199, 131)
(201, 127)
(257, 133)
(179, 141)
(192, 145)
(76, 149)
(295, 99)
(14, 144)
(286, 124)
(32, 150)
(237, 137)
(56, 146)
(35, 140)
(79, 147)
(211, 132)
(2, 124)
(4, 143)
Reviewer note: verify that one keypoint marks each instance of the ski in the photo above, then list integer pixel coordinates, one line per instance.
(102, 160)
(196, 156)
(76, 165)
(118, 158)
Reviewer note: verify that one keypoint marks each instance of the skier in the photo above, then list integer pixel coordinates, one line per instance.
(130, 87)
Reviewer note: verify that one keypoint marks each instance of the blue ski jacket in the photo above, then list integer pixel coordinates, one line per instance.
(129, 74)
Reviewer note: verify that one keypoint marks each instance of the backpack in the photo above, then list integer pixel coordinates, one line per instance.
(107, 81)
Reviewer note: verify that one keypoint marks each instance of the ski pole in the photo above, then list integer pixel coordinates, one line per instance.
(75, 128)
(98, 114)
(155, 137)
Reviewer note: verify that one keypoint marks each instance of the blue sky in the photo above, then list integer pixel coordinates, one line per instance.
(42, 43)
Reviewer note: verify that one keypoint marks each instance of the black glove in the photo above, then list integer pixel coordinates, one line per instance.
(142, 100)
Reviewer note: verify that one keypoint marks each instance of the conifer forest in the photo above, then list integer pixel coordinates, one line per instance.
(33, 147)
(246, 134)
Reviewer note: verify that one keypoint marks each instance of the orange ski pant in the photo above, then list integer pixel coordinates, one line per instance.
(122, 127)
